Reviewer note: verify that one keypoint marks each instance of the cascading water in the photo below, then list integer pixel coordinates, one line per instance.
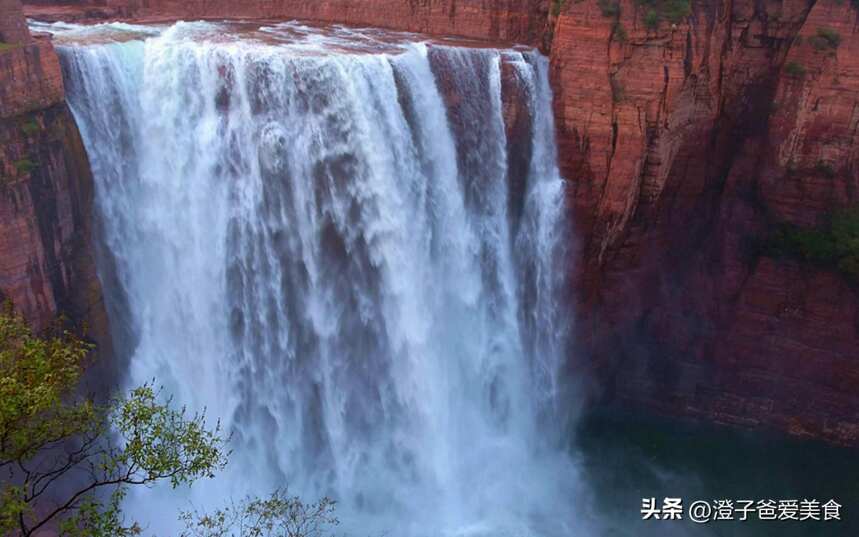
(319, 237)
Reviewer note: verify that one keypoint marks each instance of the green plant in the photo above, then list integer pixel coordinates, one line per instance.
(832, 245)
(279, 515)
(25, 165)
(7, 46)
(620, 33)
(81, 453)
(609, 8)
(825, 169)
(651, 19)
(618, 92)
(29, 127)
(557, 6)
(826, 39)
(794, 69)
(675, 10)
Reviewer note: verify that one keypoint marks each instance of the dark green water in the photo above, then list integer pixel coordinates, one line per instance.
(627, 458)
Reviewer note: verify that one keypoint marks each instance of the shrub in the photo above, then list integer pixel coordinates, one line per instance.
(618, 92)
(651, 19)
(609, 8)
(557, 6)
(675, 10)
(825, 169)
(29, 127)
(25, 165)
(833, 245)
(826, 39)
(620, 33)
(795, 70)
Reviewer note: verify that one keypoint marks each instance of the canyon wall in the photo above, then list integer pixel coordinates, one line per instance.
(688, 144)
(47, 263)
(689, 134)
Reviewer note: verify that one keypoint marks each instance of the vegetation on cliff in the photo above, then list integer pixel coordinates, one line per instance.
(832, 245)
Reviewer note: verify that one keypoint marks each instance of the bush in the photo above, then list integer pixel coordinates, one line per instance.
(618, 92)
(557, 6)
(676, 10)
(795, 70)
(25, 165)
(651, 19)
(620, 33)
(609, 8)
(826, 39)
(825, 169)
(29, 127)
(833, 245)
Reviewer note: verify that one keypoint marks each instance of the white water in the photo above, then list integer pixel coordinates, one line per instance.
(307, 241)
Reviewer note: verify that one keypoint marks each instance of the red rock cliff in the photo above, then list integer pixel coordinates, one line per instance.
(686, 144)
(46, 258)
(688, 131)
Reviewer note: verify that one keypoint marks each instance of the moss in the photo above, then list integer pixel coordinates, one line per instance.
(826, 39)
(25, 165)
(833, 245)
(673, 11)
(620, 34)
(618, 92)
(825, 169)
(651, 19)
(7, 46)
(609, 8)
(30, 127)
(794, 69)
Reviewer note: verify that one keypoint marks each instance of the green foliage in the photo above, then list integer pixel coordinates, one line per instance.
(37, 377)
(557, 6)
(834, 245)
(651, 19)
(674, 11)
(48, 432)
(825, 169)
(609, 8)
(276, 516)
(826, 39)
(618, 92)
(794, 69)
(7, 46)
(29, 127)
(620, 33)
(24, 165)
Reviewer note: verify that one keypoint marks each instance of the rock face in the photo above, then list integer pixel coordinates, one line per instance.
(47, 266)
(13, 27)
(685, 143)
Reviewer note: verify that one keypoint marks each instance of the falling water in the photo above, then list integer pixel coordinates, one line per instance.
(327, 239)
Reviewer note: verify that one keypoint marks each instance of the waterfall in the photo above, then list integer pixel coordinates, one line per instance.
(332, 241)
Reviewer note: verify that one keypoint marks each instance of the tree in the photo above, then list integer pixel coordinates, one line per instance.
(67, 460)
(279, 515)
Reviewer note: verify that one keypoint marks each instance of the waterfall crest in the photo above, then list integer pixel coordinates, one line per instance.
(338, 244)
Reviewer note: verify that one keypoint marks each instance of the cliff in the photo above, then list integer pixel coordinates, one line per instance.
(690, 133)
(689, 143)
(47, 266)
